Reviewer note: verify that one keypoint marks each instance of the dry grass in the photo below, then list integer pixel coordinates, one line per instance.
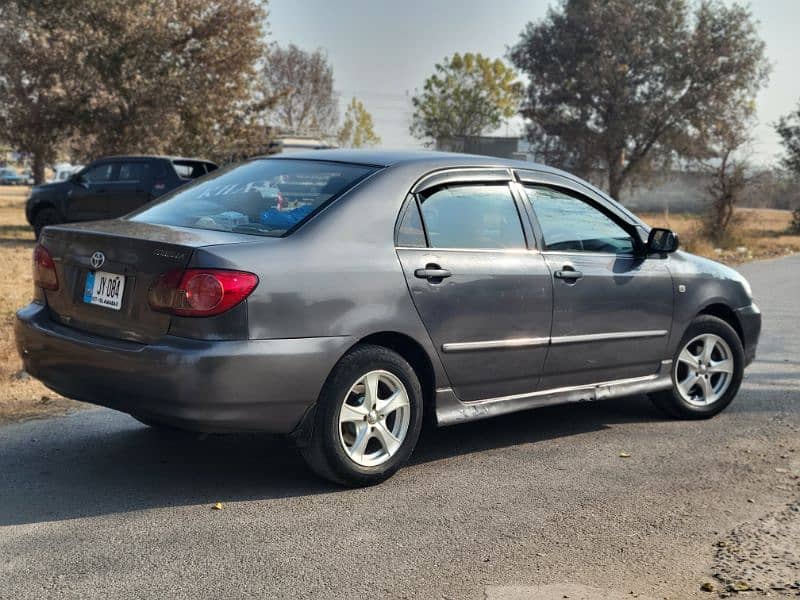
(762, 233)
(20, 396)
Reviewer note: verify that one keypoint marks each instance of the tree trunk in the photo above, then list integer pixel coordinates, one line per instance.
(38, 167)
(616, 175)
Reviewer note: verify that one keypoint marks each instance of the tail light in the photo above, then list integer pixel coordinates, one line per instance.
(200, 292)
(44, 269)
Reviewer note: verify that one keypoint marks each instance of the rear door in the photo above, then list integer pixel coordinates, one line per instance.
(612, 307)
(484, 294)
(130, 189)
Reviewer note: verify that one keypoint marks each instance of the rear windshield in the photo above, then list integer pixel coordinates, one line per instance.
(262, 197)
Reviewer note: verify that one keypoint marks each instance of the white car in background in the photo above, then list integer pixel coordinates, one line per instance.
(63, 171)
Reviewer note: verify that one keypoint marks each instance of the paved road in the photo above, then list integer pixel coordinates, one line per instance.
(95, 505)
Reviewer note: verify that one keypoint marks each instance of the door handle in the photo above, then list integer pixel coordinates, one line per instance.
(433, 273)
(568, 274)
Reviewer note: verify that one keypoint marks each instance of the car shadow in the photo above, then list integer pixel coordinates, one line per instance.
(100, 462)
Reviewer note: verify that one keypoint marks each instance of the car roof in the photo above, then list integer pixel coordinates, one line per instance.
(388, 158)
(427, 160)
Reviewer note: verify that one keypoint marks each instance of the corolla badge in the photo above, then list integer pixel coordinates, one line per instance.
(98, 260)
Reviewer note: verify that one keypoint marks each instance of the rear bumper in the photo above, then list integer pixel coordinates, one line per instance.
(750, 320)
(247, 385)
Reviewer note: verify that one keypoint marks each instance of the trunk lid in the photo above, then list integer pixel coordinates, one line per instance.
(140, 252)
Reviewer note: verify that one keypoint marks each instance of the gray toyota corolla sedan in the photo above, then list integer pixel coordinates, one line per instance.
(339, 296)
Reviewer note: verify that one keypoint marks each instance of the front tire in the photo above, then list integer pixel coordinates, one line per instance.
(707, 371)
(367, 419)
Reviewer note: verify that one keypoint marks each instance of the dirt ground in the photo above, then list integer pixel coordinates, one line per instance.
(763, 235)
(20, 396)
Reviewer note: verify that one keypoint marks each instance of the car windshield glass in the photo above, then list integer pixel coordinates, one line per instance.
(261, 197)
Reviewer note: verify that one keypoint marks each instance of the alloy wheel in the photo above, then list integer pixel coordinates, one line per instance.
(374, 418)
(704, 370)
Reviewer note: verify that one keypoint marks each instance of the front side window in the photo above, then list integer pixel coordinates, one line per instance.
(269, 197)
(570, 224)
(472, 216)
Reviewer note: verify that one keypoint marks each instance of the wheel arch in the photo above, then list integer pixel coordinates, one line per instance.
(407, 347)
(47, 204)
(413, 352)
(727, 314)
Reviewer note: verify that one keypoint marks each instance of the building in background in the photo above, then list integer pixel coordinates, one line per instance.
(298, 143)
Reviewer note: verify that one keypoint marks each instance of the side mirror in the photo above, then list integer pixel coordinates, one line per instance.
(662, 240)
(78, 179)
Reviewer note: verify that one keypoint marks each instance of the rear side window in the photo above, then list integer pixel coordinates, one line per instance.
(472, 216)
(131, 172)
(410, 234)
(190, 169)
(262, 197)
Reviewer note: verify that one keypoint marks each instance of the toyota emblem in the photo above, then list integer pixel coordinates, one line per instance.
(97, 260)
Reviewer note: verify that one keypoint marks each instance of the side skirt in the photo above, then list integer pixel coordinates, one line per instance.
(451, 411)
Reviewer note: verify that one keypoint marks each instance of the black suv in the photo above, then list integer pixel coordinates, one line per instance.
(109, 188)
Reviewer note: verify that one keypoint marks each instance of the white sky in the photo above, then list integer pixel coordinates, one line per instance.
(382, 50)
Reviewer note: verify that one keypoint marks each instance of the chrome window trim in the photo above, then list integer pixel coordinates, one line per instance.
(495, 344)
(431, 250)
(587, 253)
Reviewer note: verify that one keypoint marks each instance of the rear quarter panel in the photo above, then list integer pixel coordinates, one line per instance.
(338, 275)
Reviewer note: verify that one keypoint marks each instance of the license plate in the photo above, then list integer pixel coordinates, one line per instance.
(104, 289)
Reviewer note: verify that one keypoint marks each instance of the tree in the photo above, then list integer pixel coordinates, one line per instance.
(788, 129)
(122, 76)
(726, 149)
(623, 84)
(467, 95)
(357, 130)
(40, 86)
(302, 82)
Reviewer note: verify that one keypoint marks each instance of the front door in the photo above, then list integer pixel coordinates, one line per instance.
(484, 296)
(89, 192)
(612, 307)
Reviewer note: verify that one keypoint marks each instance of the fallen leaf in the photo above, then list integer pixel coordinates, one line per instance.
(217, 506)
(624, 455)
(740, 586)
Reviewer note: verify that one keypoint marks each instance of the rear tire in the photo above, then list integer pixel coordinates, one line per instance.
(45, 217)
(707, 370)
(367, 419)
